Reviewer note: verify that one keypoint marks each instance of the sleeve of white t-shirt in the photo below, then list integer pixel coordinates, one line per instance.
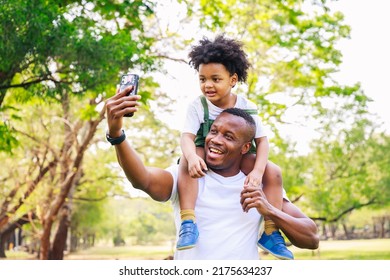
(244, 103)
(260, 129)
(174, 170)
(193, 117)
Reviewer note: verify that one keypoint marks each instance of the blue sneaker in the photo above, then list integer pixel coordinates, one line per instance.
(275, 245)
(188, 235)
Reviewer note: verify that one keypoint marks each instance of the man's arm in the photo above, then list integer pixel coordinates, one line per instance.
(156, 182)
(299, 229)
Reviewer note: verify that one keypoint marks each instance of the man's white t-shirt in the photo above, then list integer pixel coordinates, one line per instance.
(225, 231)
(195, 115)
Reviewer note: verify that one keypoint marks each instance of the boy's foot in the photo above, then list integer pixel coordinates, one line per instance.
(188, 235)
(275, 245)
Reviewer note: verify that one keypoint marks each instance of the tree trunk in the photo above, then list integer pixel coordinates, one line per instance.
(324, 231)
(382, 221)
(3, 221)
(10, 228)
(374, 229)
(70, 169)
(59, 243)
(346, 232)
(333, 229)
(45, 240)
(3, 238)
(73, 241)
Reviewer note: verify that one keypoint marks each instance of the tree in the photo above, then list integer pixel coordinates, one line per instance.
(68, 57)
(349, 171)
(53, 47)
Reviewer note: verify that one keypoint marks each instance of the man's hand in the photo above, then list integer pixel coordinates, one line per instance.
(118, 106)
(254, 197)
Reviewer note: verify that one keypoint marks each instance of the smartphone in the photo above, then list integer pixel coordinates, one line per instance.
(127, 80)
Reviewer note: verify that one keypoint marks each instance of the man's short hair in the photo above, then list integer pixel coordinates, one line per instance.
(246, 116)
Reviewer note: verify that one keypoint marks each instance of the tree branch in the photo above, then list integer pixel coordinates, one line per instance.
(350, 209)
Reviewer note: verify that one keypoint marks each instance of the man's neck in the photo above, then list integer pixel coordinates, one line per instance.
(226, 173)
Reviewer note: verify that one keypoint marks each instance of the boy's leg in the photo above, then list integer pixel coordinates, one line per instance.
(271, 239)
(188, 192)
(273, 190)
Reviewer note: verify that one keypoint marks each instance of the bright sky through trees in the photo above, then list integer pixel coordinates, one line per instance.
(366, 58)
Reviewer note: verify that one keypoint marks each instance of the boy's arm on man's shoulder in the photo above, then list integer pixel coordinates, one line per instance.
(262, 149)
(187, 144)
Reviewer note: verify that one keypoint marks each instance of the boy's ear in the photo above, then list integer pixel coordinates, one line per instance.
(245, 148)
(233, 80)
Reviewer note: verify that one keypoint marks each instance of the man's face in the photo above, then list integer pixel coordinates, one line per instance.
(225, 144)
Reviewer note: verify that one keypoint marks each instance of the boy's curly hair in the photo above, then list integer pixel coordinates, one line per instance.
(222, 50)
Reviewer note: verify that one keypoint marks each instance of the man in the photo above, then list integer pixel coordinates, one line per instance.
(229, 211)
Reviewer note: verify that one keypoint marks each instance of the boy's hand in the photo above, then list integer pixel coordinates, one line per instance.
(196, 166)
(254, 179)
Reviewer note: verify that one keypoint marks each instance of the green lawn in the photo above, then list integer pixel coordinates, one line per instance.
(373, 249)
(367, 249)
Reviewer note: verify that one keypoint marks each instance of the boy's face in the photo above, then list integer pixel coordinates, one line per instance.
(216, 84)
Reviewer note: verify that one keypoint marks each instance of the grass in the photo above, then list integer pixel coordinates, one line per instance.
(368, 249)
(123, 253)
(365, 249)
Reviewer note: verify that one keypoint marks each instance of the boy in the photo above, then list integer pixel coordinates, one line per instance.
(221, 64)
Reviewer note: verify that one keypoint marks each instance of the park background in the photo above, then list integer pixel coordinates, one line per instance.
(318, 77)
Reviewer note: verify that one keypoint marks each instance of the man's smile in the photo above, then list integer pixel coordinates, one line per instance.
(214, 153)
(214, 150)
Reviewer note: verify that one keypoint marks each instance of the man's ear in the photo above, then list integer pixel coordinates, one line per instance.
(245, 148)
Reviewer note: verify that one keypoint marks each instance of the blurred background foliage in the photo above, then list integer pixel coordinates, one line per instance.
(61, 187)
